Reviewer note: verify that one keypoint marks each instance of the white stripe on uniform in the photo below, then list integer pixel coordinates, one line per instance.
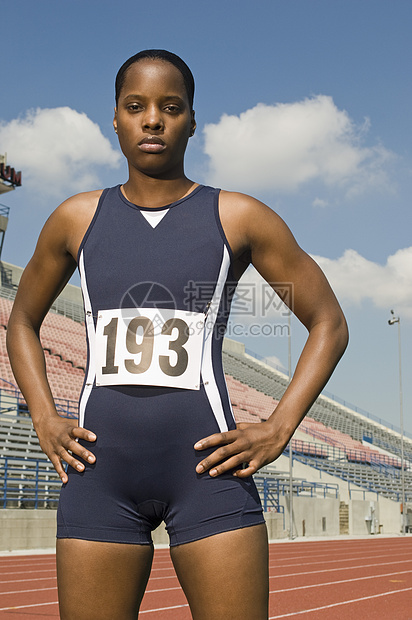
(208, 375)
(91, 337)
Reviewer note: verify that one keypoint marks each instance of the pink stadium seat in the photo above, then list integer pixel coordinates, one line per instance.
(5, 309)
(248, 404)
(355, 450)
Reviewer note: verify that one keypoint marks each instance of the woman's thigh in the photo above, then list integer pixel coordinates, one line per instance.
(101, 581)
(226, 576)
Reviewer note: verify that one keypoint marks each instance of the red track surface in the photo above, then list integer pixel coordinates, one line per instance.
(366, 579)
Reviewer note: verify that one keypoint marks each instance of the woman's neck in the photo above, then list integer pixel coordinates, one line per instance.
(153, 192)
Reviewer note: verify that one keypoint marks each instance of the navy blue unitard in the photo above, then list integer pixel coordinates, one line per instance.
(138, 266)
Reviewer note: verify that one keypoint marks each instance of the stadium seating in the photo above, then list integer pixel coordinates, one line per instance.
(63, 341)
(335, 435)
(331, 414)
(348, 458)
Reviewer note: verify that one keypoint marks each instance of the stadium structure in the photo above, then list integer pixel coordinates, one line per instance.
(9, 180)
(346, 465)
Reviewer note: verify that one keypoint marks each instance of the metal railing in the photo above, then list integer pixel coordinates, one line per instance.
(12, 399)
(28, 483)
(273, 487)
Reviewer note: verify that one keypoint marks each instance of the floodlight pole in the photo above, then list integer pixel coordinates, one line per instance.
(290, 442)
(392, 321)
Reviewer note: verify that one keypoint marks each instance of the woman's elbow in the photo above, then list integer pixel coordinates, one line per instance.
(341, 332)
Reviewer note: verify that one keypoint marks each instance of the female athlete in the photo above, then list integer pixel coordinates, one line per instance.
(159, 258)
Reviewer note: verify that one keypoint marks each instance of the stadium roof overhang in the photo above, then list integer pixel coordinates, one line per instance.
(5, 188)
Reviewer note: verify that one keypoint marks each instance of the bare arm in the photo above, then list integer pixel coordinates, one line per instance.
(43, 279)
(278, 258)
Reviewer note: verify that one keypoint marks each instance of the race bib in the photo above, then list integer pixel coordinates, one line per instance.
(149, 346)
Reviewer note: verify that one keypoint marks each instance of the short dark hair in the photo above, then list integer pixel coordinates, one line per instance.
(157, 55)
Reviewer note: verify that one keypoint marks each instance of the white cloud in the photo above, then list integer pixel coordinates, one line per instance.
(258, 315)
(255, 301)
(58, 150)
(355, 278)
(320, 202)
(280, 147)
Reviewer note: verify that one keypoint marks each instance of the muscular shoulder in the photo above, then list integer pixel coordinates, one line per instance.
(241, 204)
(248, 222)
(68, 223)
(79, 206)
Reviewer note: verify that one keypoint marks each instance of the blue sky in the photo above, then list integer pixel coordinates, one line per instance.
(304, 104)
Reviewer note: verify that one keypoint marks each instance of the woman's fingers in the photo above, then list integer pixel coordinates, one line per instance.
(231, 455)
(248, 470)
(236, 463)
(58, 466)
(215, 440)
(82, 433)
(242, 451)
(76, 448)
(59, 441)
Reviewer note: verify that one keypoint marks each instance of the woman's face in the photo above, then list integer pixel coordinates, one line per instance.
(153, 118)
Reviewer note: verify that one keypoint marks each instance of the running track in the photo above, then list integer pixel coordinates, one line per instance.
(365, 579)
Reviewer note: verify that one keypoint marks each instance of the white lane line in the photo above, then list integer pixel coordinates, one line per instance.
(28, 572)
(329, 554)
(332, 561)
(162, 590)
(334, 570)
(319, 552)
(332, 583)
(24, 606)
(22, 563)
(355, 600)
(31, 579)
(33, 590)
(149, 611)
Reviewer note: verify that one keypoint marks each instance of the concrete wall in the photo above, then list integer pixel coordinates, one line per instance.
(276, 524)
(312, 516)
(363, 517)
(3, 222)
(389, 516)
(382, 516)
(27, 529)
